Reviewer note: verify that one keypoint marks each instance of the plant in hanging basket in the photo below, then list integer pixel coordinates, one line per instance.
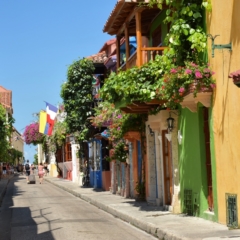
(236, 77)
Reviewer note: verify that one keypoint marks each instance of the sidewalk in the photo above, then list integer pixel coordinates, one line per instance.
(161, 224)
(3, 186)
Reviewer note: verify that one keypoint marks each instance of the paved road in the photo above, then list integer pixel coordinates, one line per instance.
(30, 212)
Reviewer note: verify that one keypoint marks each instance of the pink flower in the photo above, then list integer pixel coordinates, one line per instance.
(181, 89)
(198, 74)
(193, 64)
(118, 128)
(213, 85)
(173, 70)
(119, 116)
(188, 71)
(206, 70)
(212, 72)
(207, 75)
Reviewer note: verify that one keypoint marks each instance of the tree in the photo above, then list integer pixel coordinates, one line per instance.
(35, 162)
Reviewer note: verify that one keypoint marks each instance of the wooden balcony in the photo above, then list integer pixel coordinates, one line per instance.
(148, 54)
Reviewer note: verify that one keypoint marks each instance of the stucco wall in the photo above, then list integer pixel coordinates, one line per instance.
(224, 20)
(192, 159)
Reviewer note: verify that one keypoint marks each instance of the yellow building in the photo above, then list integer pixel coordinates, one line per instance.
(224, 21)
(18, 144)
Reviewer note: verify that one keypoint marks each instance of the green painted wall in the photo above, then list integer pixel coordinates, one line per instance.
(192, 161)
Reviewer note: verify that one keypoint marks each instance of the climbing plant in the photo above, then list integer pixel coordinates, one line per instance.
(186, 42)
(6, 129)
(76, 93)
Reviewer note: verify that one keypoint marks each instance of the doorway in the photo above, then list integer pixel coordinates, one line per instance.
(167, 169)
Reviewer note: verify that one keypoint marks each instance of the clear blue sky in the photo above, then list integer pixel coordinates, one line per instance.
(39, 39)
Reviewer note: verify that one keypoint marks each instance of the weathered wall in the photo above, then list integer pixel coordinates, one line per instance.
(224, 20)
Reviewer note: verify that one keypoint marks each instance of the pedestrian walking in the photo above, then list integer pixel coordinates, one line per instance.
(40, 172)
(27, 170)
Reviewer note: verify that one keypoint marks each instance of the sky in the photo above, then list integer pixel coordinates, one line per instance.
(39, 39)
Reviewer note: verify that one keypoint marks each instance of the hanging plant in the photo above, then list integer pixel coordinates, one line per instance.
(77, 95)
(32, 135)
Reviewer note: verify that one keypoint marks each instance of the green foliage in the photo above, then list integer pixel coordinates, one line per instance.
(77, 95)
(140, 188)
(135, 84)
(57, 138)
(119, 152)
(14, 154)
(178, 81)
(186, 30)
(5, 134)
(117, 123)
(186, 40)
(35, 162)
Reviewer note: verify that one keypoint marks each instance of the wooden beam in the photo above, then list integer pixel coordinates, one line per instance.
(118, 51)
(127, 46)
(156, 102)
(153, 48)
(139, 38)
(127, 110)
(116, 14)
(127, 20)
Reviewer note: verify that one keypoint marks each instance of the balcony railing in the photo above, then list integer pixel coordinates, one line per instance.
(148, 54)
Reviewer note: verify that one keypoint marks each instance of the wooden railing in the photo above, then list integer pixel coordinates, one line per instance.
(148, 54)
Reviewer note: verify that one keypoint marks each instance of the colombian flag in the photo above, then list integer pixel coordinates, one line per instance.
(46, 119)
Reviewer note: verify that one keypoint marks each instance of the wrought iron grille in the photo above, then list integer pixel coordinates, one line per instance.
(188, 205)
(231, 207)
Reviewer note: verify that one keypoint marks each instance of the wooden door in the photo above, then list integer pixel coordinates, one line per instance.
(208, 159)
(167, 168)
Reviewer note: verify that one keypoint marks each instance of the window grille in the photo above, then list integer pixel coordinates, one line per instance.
(231, 207)
(188, 205)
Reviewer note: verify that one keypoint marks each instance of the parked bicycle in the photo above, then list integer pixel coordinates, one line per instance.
(86, 178)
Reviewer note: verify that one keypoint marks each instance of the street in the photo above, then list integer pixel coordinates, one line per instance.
(35, 211)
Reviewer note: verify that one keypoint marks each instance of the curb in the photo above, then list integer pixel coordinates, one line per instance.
(147, 227)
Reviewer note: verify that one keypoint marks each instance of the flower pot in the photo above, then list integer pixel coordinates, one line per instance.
(197, 87)
(197, 92)
(237, 82)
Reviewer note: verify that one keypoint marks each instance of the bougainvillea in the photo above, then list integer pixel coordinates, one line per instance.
(32, 135)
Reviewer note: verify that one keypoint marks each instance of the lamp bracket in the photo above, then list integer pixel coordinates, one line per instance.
(176, 113)
(218, 46)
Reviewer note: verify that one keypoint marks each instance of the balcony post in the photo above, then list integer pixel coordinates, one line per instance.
(139, 38)
(127, 45)
(118, 52)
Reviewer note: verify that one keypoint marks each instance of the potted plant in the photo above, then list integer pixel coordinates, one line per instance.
(183, 80)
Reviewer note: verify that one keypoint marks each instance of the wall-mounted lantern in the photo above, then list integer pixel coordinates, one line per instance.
(170, 122)
(71, 138)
